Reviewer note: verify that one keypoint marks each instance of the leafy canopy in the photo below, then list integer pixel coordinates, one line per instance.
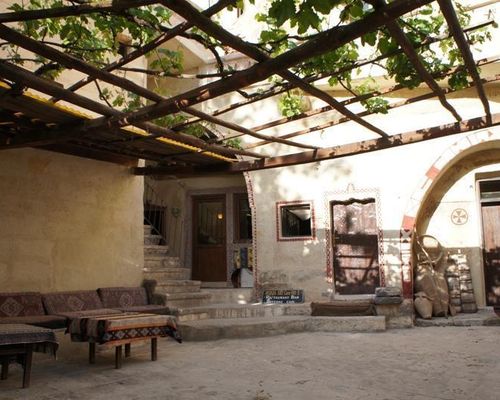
(100, 38)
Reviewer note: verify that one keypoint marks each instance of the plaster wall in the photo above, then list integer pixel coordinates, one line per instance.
(68, 223)
(389, 176)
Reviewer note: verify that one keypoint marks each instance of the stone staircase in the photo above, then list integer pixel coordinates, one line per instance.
(224, 313)
(173, 280)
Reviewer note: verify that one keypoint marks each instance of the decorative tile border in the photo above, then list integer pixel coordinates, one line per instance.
(253, 209)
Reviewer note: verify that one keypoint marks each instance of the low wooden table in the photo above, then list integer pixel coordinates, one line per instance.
(17, 343)
(120, 330)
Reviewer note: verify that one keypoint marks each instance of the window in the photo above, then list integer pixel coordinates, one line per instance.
(242, 218)
(489, 190)
(295, 220)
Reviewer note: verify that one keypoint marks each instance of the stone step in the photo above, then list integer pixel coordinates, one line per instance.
(219, 311)
(214, 329)
(167, 274)
(155, 262)
(230, 295)
(178, 286)
(147, 229)
(183, 300)
(150, 239)
(155, 250)
(225, 311)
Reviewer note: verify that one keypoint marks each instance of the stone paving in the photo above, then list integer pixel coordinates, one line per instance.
(445, 363)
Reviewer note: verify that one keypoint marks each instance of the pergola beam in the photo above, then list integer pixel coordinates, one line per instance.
(326, 41)
(365, 113)
(367, 145)
(80, 9)
(398, 34)
(153, 44)
(18, 74)
(351, 149)
(186, 10)
(275, 90)
(245, 131)
(454, 26)
(44, 50)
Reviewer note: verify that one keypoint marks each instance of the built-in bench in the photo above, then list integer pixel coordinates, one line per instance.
(53, 310)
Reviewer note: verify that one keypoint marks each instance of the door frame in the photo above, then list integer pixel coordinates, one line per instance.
(196, 199)
(483, 177)
(342, 196)
(364, 200)
(187, 247)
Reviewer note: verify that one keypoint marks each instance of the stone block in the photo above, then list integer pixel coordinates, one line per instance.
(388, 310)
(348, 324)
(387, 300)
(389, 291)
(400, 322)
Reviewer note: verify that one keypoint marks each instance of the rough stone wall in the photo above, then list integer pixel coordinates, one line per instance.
(68, 223)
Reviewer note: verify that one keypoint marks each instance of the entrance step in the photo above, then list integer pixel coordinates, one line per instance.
(167, 274)
(184, 300)
(230, 296)
(159, 262)
(147, 230)
(220, 311)
(215, 329)
(485, 316)
(150, 239)
(178, 286)
(155, 250)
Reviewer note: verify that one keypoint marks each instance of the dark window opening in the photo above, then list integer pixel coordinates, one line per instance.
(243, 218)
(490, 190)
(296, 220)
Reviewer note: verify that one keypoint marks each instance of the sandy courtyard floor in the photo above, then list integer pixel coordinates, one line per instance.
(451, 363)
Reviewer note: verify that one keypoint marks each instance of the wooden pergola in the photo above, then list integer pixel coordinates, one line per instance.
(106, 133)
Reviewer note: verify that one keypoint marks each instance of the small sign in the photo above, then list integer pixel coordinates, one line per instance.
(283, 296)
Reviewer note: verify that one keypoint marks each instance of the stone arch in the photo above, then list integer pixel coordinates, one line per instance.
(472, 151)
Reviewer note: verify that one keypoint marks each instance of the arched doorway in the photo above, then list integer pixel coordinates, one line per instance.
(473, 151)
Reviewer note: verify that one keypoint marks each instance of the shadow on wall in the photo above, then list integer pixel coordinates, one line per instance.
(312, 265)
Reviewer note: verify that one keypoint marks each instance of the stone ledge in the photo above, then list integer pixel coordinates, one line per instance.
(214, 329)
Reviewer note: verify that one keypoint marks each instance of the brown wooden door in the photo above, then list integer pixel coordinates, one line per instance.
(491, 236)
(209, 238)
(355, 244)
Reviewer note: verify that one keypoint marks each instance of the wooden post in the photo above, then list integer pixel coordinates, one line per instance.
(91, 353)
(154, 349)
(118, 357)
(28, 358)
(127, 349)
(5, 369)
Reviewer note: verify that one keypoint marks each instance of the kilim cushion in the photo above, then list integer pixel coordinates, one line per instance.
(61, 302)
(20, 304)
(123, 297)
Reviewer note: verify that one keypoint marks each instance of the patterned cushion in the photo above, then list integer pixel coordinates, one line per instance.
(62, 302)
(120, 297)
(20, 304)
